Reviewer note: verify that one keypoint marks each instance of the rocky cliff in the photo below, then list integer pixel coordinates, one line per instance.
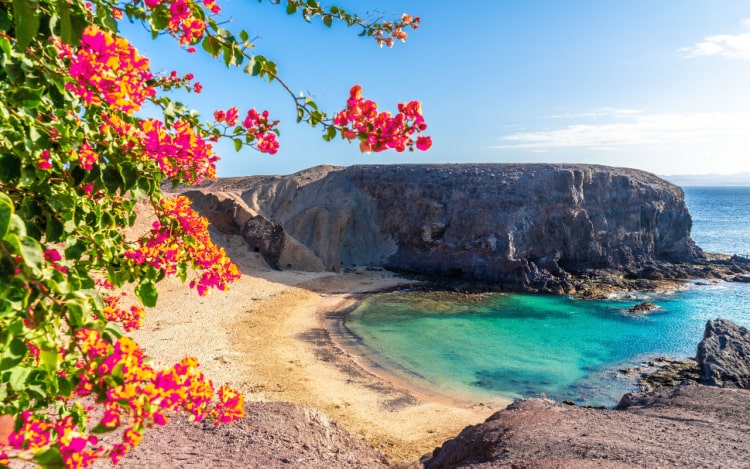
(724, 355)
(514, 225)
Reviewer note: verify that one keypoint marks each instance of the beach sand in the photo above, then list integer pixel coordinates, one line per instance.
(272, 336)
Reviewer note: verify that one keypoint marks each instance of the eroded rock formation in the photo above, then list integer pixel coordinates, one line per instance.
(525, 226)
(673, 427)
(724, 355)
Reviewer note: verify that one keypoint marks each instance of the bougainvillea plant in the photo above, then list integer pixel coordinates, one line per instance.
(76, 157)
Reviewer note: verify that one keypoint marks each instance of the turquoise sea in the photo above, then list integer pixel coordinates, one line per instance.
(516, 345)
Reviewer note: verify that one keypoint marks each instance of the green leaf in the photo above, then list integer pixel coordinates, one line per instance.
(78, 23)
(74, 249)
(26, 20)
(50, 457)
(112, 332)
(291, 7)
(17, 227)
(327, 20)
(66, 28)
(6, 210)
(237, 144)
(13, 354)
(146, 292)
(5, 46)
(228, 56)
(19, 376)
(159, 18)
(107, 18)
(31, 252)
(129, 174)
(53, 229)
(5, 22)
(49, 359)
(256, 65)
(211, 45)
(10, 168)
(112, 179)
(75, 313)
(330, 133)
(64, 385)
(31, 97)
(99, 429)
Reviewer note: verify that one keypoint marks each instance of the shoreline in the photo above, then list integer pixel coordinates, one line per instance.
(267, 337)
(350, 343)
(307, 364)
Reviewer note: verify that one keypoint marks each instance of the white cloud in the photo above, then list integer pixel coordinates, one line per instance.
(720, 129)
(596, 114)
(733, 46)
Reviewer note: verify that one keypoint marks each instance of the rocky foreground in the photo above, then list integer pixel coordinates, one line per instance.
(688, 425)
(566, 229)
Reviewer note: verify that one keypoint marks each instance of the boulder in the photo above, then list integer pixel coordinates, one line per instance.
(643, 308)
(672, 427)
(724, 355)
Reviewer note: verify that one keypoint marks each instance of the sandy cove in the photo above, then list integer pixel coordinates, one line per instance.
(271, 337)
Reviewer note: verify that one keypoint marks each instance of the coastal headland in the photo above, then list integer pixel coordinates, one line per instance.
(310, 244)
(586, 230)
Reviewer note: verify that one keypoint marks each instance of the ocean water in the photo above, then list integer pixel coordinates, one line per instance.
(516, 345)
(721, 218)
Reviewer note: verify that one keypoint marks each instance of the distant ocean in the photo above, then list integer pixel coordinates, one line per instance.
(721, 218)
(514, 345)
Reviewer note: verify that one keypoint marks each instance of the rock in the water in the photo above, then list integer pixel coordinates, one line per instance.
(724, 355)
(643, 308)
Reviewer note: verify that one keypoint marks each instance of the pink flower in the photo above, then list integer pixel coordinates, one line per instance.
(44, 161)
(91, 69)
(232, 115)
(379, 131)
(87, 157)
(424, 143)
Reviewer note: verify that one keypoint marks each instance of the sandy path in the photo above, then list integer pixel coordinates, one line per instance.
(268, 336)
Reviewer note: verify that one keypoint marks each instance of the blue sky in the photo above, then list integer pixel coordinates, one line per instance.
(662, 86)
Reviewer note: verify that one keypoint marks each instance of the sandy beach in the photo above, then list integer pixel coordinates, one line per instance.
(272, 337)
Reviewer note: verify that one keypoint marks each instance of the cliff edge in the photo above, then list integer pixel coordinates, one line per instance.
(515, 226)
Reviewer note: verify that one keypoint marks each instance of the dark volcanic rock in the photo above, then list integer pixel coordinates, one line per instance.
(669, 373)
(643, 308)
(686, 426)
(516, 226)
(724, 355)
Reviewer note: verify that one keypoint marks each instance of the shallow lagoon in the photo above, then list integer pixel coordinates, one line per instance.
(515, 345)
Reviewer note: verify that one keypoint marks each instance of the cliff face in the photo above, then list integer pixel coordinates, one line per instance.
(516, 225)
